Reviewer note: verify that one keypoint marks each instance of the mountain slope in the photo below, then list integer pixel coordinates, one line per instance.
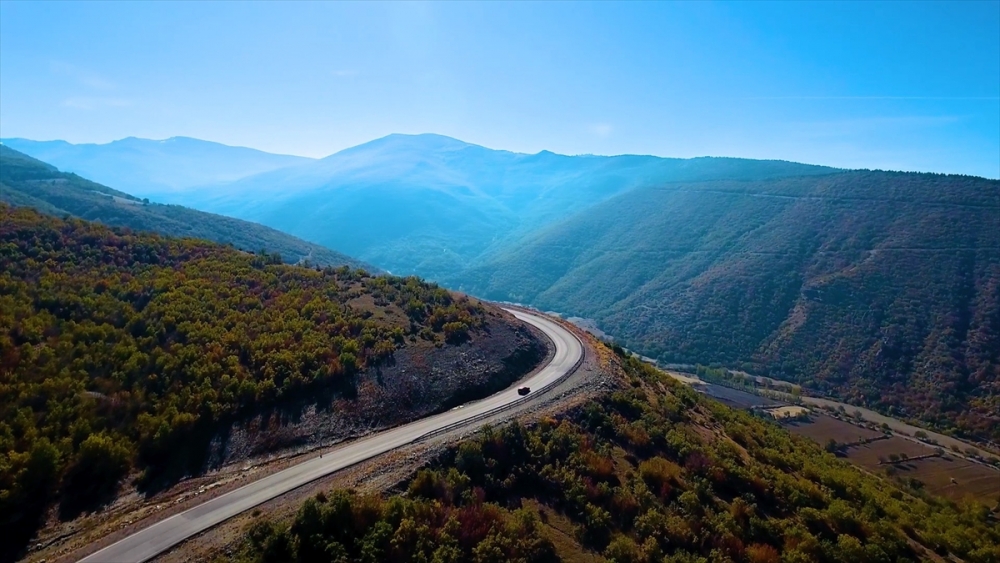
(25, 181)
(649, 473)
(149, 168)
(882, 288)
(122, 350)
(432, 205)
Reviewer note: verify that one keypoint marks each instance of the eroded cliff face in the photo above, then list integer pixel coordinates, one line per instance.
(421, 380)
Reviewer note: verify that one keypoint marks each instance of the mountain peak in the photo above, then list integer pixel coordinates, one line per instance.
(422, 140)
(400, 144)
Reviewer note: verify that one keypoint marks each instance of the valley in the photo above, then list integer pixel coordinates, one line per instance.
(500, 282)
(948, 467)
(875, 288)
(390, 402)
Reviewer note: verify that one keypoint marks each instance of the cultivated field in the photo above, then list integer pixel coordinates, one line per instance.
(821, 428)
(972, 480)
(737, 398)
(790, 411)
(869, 455)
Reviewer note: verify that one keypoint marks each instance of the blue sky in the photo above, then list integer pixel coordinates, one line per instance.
(910, 86)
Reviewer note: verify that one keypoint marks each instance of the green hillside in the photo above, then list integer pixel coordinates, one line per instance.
(651, 474)
(881, 288)
(25, 181)
(121, 350)
(430, 205)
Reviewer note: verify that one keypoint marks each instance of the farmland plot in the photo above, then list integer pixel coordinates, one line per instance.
(955, 478)
(822, 428)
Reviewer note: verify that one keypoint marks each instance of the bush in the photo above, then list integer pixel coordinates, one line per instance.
(93, 477)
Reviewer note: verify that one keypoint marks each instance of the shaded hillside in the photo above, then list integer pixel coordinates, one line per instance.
(651, 474)
(431, 205)
(25, 181)
(149, 168)
(882, 288)
(121, 350)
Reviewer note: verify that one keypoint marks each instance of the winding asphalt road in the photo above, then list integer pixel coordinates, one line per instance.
(150, 542)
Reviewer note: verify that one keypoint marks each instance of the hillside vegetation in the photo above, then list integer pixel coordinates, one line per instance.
(881, 288)
(430, 205)
(122, 350)
(653, 473)
(29, 182)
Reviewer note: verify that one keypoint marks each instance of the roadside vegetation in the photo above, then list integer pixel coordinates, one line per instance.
(122, 351)
(653, 472)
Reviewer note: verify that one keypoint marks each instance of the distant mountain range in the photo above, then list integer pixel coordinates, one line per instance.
(433, 206)
(147, 168)
(414, 204)
(25, 181)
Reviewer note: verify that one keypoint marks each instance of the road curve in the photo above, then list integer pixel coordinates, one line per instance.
(150, 542)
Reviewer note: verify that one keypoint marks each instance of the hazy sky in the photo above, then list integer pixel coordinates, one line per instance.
(912, 86)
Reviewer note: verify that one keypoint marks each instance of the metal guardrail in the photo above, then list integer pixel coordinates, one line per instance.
(509, 406)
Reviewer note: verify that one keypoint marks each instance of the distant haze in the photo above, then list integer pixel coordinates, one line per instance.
(145, 167)
(412, 204)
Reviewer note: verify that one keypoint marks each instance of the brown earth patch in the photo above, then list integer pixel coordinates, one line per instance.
(955, 478)
(873, 454)
(822, 428)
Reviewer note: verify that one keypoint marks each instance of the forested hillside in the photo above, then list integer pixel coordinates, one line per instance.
(121, 350)
(653, 473)
(431, 205)
(30, 182)
(881, 288)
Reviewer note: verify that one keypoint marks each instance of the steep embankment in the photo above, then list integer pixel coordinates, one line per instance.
(29, 182)
(882, 288)
(133, 353)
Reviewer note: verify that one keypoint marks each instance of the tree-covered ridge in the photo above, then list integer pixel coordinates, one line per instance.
(27, 182)
(653, 473)
(116, 348)
(431, 205)
(880, 288)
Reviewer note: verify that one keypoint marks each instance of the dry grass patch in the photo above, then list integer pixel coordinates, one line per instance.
(559, 530)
